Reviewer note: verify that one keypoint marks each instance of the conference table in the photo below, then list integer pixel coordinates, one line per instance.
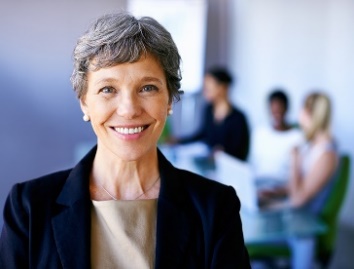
(264, 227)
(258, 226)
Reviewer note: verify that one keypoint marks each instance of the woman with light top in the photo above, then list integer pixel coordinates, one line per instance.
(124, 205)
(272, 143)
(314, 164)
(313, 170)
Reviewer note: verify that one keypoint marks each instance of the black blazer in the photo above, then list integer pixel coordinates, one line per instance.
(47, 222)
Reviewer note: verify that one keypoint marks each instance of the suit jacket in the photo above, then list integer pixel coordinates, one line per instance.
(47, 222)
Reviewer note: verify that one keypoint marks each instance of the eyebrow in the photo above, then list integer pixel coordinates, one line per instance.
(151, 79)
(105, 80)
(144, 79)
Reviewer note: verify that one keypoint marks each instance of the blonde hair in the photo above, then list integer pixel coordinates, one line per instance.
(318, 105)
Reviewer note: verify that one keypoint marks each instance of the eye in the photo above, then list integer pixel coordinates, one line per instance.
(107, 90)
(149, 88)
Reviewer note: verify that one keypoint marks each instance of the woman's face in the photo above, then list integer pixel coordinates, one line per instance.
(127, 105)
(277, 111)
(305, 119)
(212, 90)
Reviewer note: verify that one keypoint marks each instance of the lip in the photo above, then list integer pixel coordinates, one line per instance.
(130, 132)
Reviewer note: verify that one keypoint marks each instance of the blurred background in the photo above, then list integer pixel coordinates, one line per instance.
(297, 45)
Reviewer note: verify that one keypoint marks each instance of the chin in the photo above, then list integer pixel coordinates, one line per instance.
(130, 154)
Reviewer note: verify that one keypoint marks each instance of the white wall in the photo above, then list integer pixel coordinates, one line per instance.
(299, 45)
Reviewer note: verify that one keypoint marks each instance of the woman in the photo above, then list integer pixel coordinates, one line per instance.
(272, 143)
(224, 127)
(313, 169)
(314, 164)
(124, 205)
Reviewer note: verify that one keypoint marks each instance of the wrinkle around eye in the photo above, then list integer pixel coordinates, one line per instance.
(150, 88)
(107, 90)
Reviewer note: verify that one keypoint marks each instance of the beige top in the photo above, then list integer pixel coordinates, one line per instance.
(123, 234)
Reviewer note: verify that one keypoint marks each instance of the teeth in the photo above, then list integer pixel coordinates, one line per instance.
(129, 130)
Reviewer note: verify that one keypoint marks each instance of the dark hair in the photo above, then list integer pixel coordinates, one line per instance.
(279, 95)
(120, 38)
(221, 74)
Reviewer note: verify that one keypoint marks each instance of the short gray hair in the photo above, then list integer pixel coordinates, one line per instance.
(120, 38)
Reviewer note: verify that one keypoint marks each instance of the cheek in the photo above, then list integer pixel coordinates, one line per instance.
(304, 120)
(99, 112)
(157, 108)
(209, 94)
(161, 114)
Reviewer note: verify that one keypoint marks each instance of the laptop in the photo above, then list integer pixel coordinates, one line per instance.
(238, 174)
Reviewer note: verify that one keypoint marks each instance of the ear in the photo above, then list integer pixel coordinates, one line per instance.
(170, 103)
(83, 106)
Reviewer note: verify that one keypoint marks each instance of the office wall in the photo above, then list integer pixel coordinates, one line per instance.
(40, 119)
(299, 45)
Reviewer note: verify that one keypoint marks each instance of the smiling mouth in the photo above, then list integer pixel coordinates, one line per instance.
(134, 130)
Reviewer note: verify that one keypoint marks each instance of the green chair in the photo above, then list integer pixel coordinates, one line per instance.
(330, 213)
(166, 132)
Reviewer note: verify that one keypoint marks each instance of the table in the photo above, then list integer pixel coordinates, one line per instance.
(296, 228)
(258, 226)
(263, 227)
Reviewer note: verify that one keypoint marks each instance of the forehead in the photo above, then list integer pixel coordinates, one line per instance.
(277, 102)
(210, 79)
(146, 66)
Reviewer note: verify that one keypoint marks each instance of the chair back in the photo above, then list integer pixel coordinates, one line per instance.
(330, 212)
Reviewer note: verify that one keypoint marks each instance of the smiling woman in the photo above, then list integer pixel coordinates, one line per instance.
(124, 205)
(128, 104)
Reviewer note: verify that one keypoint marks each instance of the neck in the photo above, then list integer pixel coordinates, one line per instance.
(124, 179)
(283, 126)
(321, 137)
(221, 109)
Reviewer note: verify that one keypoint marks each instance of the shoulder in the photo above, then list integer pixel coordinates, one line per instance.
(237, 112)
(237, 116)
(262, 129)
(262, 133)
(41, 189)
(296, 133)
(204, 191)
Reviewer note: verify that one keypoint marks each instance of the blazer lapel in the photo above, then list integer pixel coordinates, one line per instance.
(71, 221)
(173, 224)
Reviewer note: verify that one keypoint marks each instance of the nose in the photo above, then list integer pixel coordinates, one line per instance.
(128, 106)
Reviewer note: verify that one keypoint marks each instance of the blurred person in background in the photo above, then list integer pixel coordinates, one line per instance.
(224, 127)
(313, 170)
(271, 144)
(123, 205)
(314, 163)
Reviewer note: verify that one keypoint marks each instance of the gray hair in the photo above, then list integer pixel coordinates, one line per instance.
(120, 38)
